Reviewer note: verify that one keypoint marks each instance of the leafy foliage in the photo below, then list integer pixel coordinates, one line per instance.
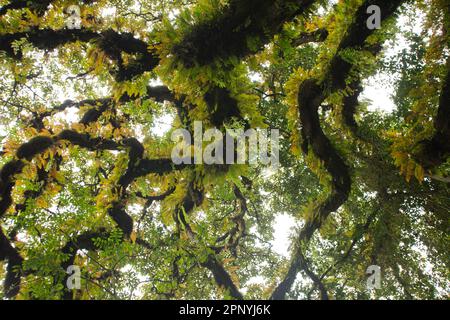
(86, 172)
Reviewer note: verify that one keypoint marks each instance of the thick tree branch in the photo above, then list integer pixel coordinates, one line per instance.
(222, 277)
(110, 41)
(436, 150)
(229, 34)
(312, 94)
(39, 6)
(318, 35)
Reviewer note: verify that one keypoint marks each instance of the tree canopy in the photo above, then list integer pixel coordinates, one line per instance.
(87, 177)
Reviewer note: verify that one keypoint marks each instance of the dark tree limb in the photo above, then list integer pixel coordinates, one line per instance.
(436, 150)
(312, 94)
(318, 35)
(229, 34)
(39, 6)
(222, 277)
(110, 41)
(13, 270)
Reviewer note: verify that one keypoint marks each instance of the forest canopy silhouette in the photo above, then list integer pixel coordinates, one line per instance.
(92, 92)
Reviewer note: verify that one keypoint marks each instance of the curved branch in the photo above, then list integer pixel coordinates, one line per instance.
(40, 6)
(110, 41)
(222, 277)
(13, 270)
(311, 95)
(318, 35)
(436, 150)
(230, 34)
